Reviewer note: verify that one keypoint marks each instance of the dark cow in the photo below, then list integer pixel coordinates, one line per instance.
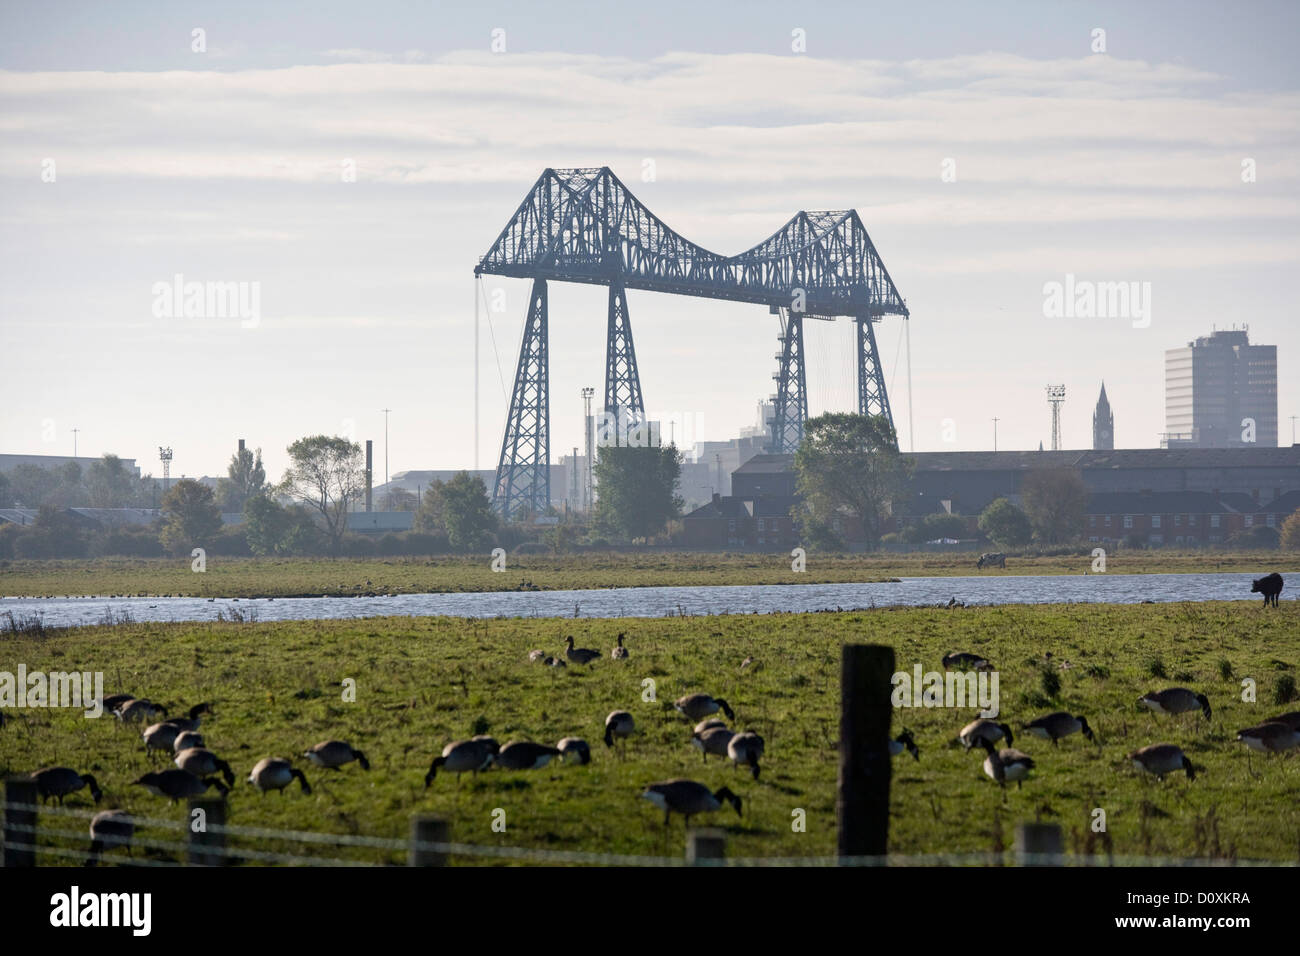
(992, 559)
(1270, 586)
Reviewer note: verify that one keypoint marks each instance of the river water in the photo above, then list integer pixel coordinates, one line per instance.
(658, 601)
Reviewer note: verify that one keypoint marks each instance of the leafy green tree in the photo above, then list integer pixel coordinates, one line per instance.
(271, 528)
(1289, 537)
(30, 484)
(191, 518)
(637, 489)
(111, 484)
(849, 464)
(467, 512)
(399, 499)
(1006, 525)
(327, 474)
(1055, 501)
(245, 478)
(429, 517)
(6, 496)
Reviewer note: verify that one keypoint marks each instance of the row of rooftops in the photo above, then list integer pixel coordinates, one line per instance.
(1134, 458)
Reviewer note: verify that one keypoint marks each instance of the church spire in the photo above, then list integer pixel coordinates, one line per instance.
(1103, 424)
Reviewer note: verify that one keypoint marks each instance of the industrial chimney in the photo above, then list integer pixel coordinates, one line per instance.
(370, 454)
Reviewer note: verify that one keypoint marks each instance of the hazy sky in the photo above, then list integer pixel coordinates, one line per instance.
(226, 166)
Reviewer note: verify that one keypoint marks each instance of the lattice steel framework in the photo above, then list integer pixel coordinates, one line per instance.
(790, 405)
(584, 225)
(524, 477)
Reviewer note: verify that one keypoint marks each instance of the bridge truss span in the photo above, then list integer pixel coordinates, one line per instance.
(585, 225)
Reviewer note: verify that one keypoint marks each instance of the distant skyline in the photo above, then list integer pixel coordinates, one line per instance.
(989, 151)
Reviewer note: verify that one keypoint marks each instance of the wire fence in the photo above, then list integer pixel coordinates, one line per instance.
(227, 844)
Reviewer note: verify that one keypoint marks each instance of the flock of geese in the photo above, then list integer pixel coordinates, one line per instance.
(1002, 764)
(198, 769)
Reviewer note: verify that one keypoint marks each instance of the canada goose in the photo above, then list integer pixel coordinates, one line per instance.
(618, 724)
(619, 653)
(1057, 725)
(688, 798)
(983, 729)
(713, 741)
(574, 748)
(203, 763)
(493, 748)
(160, 737)
(1175, 700)
(536, 656)
(1006, 764)
(745, 749)
(579, 655)
(334, 754)
(708, 724)
(554, 662)
(1160, 759)
(112, 702)
(108, 829)
(276, 773)
(1292, 719)
(459, 756)
(187, 739)
(699, 706)
(177, 784)
(138, 709)
(965, 659)
(190, 722)
(1270, 738)
(904, 741)
(525, 755)
(58, 782)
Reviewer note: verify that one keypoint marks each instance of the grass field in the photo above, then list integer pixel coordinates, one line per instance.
(306, 577)
(422, 682)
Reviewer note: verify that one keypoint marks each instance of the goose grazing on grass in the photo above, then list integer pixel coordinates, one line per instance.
(708, 724)
(113, 701)
(462, 755)
(525, 755)
(1057, 725)
(160, 737)
(109, 829)
(187, 739)
(537, 656)
(579, 655)
(58, 782)
(699, 706)
(714, 741)
(333, 754)
(1272, 737)
(137, 710)
(1006, 764)
(688, 798)
(1175, 700)
(619, 653)
(965, 660)
(904, 741)
(745, 749)
(178, 784)
(1160, 759)
(204, 763)
(618, 724)
(978, 731)
(191, 721)
(276, 773)
(574, 748)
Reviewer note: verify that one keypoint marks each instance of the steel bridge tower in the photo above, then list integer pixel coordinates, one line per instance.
(584, 225)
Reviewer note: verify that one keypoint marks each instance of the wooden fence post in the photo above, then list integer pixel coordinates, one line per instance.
(428, 829)
(706, 844)
(205, 844)
(20, 824)
(862, 798)
(1042, 841)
